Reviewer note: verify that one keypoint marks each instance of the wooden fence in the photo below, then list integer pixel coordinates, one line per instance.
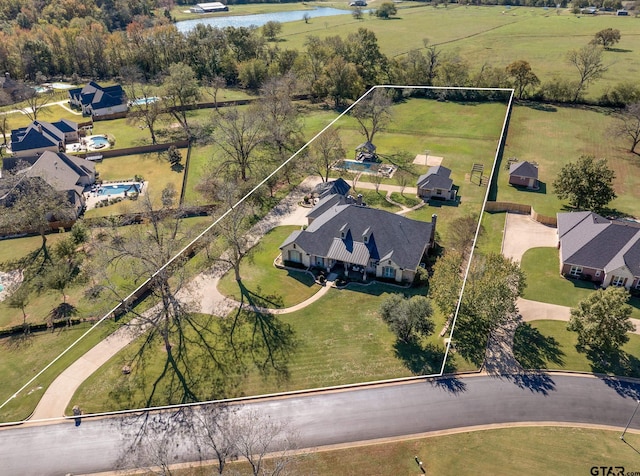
(142, 149)
(522, 209)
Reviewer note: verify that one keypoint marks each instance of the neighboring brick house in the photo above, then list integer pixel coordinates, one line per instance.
(598, 249)
(41, 136)
(94, 100)
(524, 174)
(436, 183)
(347, 237)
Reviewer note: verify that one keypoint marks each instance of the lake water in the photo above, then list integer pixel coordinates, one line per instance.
(260, 19)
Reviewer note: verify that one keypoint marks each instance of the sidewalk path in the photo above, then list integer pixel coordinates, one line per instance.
(57, 396)
(202, 290)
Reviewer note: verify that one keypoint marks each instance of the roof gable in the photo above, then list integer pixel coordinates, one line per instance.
(436, 177)
(524, 169)
(386, 234)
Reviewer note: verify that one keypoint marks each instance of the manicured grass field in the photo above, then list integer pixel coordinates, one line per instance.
(545, 284)
(24, 356)
(553, 136)
(490, 35)
(260, 277)
(340, 340)
(155, 170)
(507, 451)
(490, 240)
(548, 344)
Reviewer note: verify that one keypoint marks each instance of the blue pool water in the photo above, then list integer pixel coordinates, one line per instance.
(259, 19)
(356, 166)
(141, 101)
(99, 141)
(119, 188)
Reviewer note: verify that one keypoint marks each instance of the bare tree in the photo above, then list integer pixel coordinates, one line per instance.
(238, 134)
(34, 100)
(402, 179)
(30, 205)
(588, 61)
(280, 117)
(259, 436)
(325, 152)
(197, 363)
(181, 92)
(216, 83)
(231, 237)
(628, 127)
(373, 112)
(147, 110)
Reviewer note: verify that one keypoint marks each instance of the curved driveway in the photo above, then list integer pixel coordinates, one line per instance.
(348, 416)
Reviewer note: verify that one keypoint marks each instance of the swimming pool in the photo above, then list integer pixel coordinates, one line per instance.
(98, 142)
(141, 101)
(355, 166)
(119, 188)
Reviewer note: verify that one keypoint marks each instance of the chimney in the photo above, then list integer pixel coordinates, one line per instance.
(434, 219)
(359, 200)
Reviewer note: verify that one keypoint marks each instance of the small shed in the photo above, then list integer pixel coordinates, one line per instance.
(437, 184)
(524, 174)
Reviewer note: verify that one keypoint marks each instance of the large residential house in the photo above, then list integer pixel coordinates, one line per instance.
(598, 249)
(66, 174)
(95, 100)
(344, 235)
(437, 184)
(41, 136)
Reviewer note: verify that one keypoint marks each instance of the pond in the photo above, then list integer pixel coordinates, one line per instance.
(259, 19)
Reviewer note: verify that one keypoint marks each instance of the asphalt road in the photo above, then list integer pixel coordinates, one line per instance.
(347, 416)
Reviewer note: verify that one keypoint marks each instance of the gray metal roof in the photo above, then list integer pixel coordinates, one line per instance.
(524, 169)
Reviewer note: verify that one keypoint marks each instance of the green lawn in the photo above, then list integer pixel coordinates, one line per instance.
(347, 344)
(153, 167)
(553, 136)
(490, 240)
(506, 451)
(549, 345)
(261, 278)
(545, 284)
(489, 35)
(24, 356)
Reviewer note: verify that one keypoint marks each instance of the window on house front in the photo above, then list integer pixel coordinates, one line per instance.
(388, 272)
(638, 284)
(618, 280)
(438, 192)
(575, 270)
(319, 261)
(295, 256)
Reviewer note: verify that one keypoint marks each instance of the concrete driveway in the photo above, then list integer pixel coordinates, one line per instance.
(522, 233)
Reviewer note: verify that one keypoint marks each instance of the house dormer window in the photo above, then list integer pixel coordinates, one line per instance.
(344, 231)
(366, 234)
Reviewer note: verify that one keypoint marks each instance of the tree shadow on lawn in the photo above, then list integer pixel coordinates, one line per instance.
(534, 350)
(614, 368)
(538, 106)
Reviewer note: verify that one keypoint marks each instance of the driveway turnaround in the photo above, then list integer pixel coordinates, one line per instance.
(521, 232)
(345, 417)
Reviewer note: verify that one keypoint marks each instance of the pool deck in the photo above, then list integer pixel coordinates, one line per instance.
(92, 197)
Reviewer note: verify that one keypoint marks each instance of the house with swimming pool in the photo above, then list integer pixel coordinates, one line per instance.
(346, 236)
(95, 100)
(41, 136)
(67, 174)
